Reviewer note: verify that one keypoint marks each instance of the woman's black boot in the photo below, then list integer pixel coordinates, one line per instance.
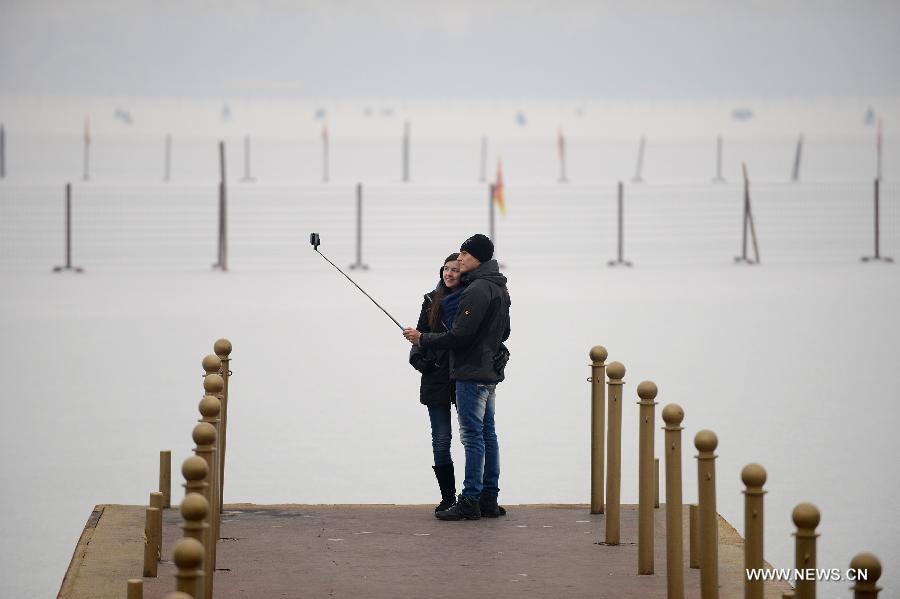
(447, 482)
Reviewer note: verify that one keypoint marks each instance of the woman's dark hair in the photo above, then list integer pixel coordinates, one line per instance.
(440, 292)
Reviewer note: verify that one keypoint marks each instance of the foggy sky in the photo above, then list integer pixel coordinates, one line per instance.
(698, 49)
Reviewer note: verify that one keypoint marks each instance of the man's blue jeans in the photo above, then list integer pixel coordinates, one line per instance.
(475, 407)
(441, 434)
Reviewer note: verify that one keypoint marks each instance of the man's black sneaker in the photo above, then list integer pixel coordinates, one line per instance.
(465, 509)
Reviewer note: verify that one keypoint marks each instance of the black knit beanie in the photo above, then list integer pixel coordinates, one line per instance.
(479, 246)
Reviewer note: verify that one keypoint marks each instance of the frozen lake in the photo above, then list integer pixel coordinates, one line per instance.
(791, 363)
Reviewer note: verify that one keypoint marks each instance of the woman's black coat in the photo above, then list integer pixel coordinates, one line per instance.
(436, 388)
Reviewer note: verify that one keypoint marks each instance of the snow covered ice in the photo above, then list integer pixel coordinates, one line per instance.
(792, 363)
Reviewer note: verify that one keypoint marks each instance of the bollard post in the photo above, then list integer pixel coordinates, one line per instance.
(204, 435)
(156, 500)
(214, 384)
(672, 415)
(165, 477)
(868, 588)
(694, 522)
(135, 588)
(196, 472)
(806, 517)
(151, 557)
(616, 372)
(706, 442)
(194, 512)
(177, 595)
(223, 348)
(754, 477)
(647, 392)
(655, 483)
(222, 259)
(189, 557)
(210, 407)
(598, 356)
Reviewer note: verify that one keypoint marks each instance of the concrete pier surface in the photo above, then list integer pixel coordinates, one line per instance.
(397, 551)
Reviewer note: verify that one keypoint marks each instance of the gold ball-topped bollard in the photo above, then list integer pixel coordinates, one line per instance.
(194, 511)
(209, 408)
(212, 364)
(196, 473)
(616, 372)
(598, 356)
(673, 415)
(222, 348)
(706, 442)
(213, 384)
(806, 518)
(647, 391)
(753, 477)
(867, 569)
(204, 435)
(189, 557)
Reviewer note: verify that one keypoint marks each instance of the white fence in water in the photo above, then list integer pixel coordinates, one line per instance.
(174, 227)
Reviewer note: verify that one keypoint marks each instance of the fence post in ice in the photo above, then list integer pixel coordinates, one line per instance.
(223, 347)
(616, 372)
(491, 232)
(621, 232)
(795, 174)
(747, 224)
(167, 171)
(483, 176)
(247, 176)
(718, 178)
(561, 142)
(806, 517)
(647, 392)
(877, 257)
(189, 561)
(86, 175)
(2, 152)
(672, 415)
(68, 264)
(165, 477)
(598, 356)
(754, 477)
(359, 226)
(406, 152)
(878, 151)
(866, 586)
(638, 173)
(222, 260)
(706, 442)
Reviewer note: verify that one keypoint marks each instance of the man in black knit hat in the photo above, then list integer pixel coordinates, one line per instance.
(477, 358)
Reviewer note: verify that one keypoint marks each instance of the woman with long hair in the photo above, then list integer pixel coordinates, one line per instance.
(437, 392)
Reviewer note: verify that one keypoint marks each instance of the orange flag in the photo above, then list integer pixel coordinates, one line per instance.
(498, 189)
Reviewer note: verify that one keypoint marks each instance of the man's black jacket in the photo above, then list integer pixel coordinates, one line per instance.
(480, 326)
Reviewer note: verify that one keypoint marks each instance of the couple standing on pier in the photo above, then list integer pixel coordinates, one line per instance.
(458, 348)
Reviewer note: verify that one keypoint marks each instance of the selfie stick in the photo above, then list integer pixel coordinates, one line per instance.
(315, 240)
